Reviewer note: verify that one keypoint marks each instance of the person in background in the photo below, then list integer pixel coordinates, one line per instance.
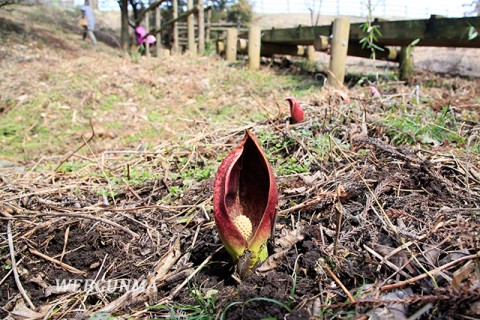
(140, 34)
(87, 13)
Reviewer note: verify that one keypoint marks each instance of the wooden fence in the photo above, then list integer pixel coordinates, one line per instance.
(190, 30)
(340, 38)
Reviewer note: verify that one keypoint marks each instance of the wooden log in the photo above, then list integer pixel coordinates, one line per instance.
(388, 53)
(176, 47)
(356, 50)
(231, 53)
(336, 73)
(242, 45)
(191, 29)
(220, 47)
(254, 47)
(437, 32)
(270, 49)
(201, 27)
(147, 26)
(406, 63)
(321, 43)
(310, 53)
(300, 35)
(221, 29)
(165, 53)
(158, 25)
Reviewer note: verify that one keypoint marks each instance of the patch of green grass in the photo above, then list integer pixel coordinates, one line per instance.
(142, 91)
(298, 151)
(114, 125)
(257, 299)
(114, 183)
(37, 126)
(109, 103)
(203, 308)
(155, 116)
(73, 166)
(423, 125)
(280, 151)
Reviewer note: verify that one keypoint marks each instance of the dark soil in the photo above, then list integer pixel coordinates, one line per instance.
(422, 199)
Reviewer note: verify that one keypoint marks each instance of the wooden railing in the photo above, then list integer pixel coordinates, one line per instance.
(342, 38)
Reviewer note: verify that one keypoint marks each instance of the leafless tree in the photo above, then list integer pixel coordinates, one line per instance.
(314, 13)
(475, 5)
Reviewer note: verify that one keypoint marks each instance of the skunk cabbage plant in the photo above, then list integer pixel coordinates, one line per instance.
(245, 197)
(296, 112)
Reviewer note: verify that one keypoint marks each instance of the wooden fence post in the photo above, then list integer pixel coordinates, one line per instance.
(341, 30)
(311, 56)
(176, 47)
(209, 24)
(147, 27)
(192, 49)
(406, 63)
(254, 44)
(201, 27)
(231, 53)
(158, 24)
(220, 44)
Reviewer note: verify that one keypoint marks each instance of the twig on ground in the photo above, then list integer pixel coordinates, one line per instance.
(200, 267)
(14, 266)
(129, 187)
(85, 142)
(44, 191)
(64, 266)
(9, 272)
(65, 241)
(388, 263)
(337, 280)
(76, 215)
(429, 273)
(339, 208)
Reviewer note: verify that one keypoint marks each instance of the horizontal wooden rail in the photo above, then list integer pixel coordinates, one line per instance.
(436, 31)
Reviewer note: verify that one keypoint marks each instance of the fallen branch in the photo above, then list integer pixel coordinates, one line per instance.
(337, 280)
(14, 266)
(75, 215)
(429, 273)
(64, 266)
(85, 142)
(200, 267)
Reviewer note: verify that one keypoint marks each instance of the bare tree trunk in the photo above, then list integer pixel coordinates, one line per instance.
(124, 32)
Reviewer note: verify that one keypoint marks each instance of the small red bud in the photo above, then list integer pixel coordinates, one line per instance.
(296, 112)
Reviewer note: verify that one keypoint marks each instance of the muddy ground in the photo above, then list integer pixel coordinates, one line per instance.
(387, 198)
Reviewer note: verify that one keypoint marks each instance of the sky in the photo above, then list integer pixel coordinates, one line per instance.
(382, 8)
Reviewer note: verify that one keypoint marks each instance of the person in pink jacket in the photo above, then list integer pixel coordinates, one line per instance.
(140, 33)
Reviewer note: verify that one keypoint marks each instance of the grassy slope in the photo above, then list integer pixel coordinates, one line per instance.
(56, 88)
(55, 84)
